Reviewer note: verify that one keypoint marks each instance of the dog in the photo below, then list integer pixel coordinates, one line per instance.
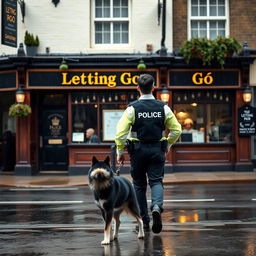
(113, 195)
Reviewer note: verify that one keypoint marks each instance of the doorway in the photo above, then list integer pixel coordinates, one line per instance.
(53, 153)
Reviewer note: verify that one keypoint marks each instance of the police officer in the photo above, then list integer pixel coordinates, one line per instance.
(146, 120)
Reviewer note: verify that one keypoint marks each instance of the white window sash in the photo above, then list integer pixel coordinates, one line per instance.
(208, 18)
(111, 20)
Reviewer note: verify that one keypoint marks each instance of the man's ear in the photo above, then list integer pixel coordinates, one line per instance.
(107, 161)
(94, 160)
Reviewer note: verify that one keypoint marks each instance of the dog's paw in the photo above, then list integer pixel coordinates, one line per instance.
(105, 242)
(141, 235)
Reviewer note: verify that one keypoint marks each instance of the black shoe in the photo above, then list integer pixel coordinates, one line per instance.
(157, 220)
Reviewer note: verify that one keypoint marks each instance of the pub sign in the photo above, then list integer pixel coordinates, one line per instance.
(9, 22)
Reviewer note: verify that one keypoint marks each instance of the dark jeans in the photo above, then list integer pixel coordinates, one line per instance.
(147, 161)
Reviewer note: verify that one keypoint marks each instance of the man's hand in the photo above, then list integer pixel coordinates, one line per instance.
(120, 159)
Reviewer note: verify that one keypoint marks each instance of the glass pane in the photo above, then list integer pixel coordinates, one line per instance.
(194, 24)
(125, 3)
(202, 2)
(213, 11)
(194, 2)
(221, 2)
(194, 33)
(194, 11)
(84, 118)
(212, 2)
(221, 24)
(221, 33)
(213, 24)
(124, 13)
(219, 122)
(98, 3)
(116, 12)
(98, 13)
(191, 117)
(120, 32)
(203, 11)
(213, 34)
(203, 33)
(221, 11)
(203, 24)
(106, 12)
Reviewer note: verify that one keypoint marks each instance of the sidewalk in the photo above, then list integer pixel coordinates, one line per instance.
(81, 180)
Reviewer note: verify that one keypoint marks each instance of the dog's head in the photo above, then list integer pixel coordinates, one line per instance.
(100, 174)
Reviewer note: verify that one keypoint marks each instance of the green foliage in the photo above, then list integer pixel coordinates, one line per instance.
(208, 50)
(30, 40)
(19, 109)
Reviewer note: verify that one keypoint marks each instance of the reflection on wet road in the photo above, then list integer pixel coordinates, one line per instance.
(210, 219)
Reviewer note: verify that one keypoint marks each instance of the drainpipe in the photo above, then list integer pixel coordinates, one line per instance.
(163, 50)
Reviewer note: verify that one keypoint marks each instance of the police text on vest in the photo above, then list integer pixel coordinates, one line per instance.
(149, 114)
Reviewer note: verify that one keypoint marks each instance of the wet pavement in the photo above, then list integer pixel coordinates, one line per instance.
(202, 219)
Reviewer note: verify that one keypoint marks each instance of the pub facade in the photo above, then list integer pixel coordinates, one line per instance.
(66, 103)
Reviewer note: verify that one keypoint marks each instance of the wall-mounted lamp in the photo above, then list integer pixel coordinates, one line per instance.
(63, 65)
(247, 95)
(22, 8)
(141, 64)
(20, 95)
(164, 95)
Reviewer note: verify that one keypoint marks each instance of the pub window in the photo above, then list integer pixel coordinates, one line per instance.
(208, 18)
(111, 22)
(98, 112)
(205, 116)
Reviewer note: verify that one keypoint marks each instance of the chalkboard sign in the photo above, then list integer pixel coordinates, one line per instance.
(9, 22)
(246, 121)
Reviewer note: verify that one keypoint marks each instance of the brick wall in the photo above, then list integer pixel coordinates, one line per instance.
(179, 22)
(243, 21)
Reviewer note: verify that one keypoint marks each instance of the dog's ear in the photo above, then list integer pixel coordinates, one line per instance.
(94, 160)
(107, 161)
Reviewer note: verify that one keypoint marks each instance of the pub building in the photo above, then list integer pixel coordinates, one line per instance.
(93, 93)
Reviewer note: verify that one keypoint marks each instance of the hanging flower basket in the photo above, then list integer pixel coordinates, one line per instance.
(19, 109)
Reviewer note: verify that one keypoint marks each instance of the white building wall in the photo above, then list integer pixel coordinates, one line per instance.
(67, 27)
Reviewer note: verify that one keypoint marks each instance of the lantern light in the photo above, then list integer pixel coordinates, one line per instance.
(164, 95)
(247, 95)
(20, 95)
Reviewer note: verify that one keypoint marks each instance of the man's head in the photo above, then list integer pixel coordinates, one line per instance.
(146, 83)
(89, 132)
(188, 123)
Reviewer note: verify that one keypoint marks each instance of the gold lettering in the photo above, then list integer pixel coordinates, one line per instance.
(208, 78)
(83, 76)
(103, 80)
(10, 18)
(75, 80)
(111, 81)
(135, 79)
(125, 78)
(197, 80)
(64, 79)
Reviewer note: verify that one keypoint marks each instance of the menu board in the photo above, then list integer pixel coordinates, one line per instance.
(110, 120)
(246, 121)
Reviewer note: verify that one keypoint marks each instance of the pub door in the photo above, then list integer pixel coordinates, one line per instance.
(53, 141)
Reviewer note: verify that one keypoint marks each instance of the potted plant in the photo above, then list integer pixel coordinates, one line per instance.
(31, 43)
(198, 48)
(225, 47)
(19, 109)
(208, 50)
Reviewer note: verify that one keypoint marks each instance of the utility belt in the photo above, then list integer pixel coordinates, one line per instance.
(134, 145)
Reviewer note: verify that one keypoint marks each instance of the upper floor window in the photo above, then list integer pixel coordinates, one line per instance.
(111, 22)
(208, 18)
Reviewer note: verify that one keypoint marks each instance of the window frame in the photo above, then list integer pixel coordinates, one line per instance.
(208, 18)
(111, 20)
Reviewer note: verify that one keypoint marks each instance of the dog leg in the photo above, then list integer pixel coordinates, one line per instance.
(141, 230)
(117, 223)
(107, 230)
(140, 223)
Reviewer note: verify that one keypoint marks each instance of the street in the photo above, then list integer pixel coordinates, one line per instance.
(199, 219)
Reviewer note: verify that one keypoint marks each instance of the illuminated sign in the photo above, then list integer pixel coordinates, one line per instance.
(204, 78)
(85, 79)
